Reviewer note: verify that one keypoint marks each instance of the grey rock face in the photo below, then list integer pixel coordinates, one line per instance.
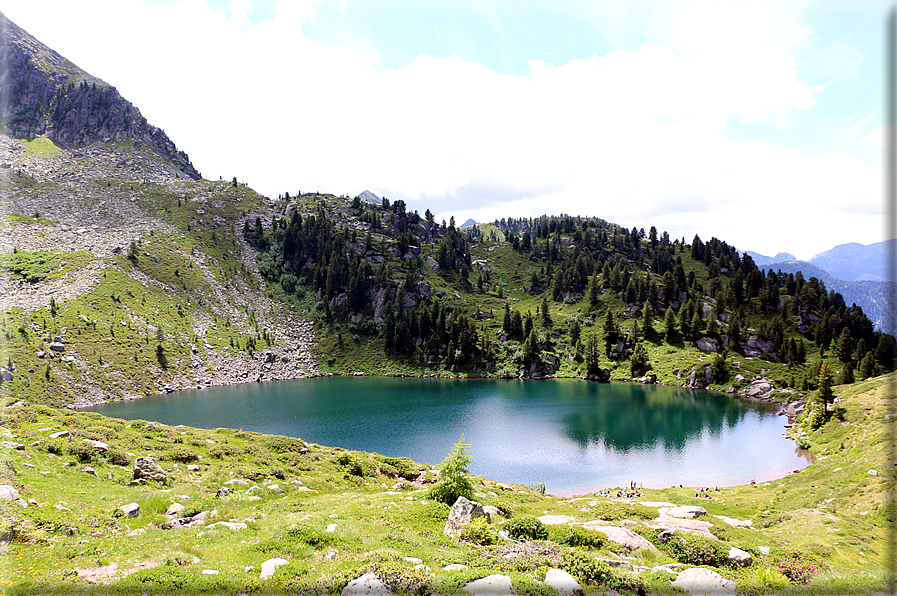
(463, 512)
(146, 467)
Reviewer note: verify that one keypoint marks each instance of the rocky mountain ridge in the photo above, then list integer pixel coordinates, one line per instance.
(42, 93)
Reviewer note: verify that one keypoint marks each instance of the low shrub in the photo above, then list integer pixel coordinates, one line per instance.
(279, 444)
(799, 566)
(698, 550)
(528, 528)
(585, 569)
(182, 454)
(308, 534)
(83, 452)
(479, 531)
(576, 536)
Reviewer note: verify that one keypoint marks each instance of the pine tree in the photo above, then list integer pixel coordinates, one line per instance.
(593, 356)
(639, 362)
(546, 315)
(844, 346)
(669, 325)
(610, 332)
(867, 366)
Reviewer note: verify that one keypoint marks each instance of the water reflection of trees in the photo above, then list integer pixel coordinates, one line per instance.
(625, 417)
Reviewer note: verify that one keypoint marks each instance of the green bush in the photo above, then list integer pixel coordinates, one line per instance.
(798, 566)
(576, 536)
(310, 535)
(83, 452)
(401, 578)
(182, 454)
(698, 550)
(117, 457)
(526, 528)
(279, 444)
(479, 531)
(585, 569)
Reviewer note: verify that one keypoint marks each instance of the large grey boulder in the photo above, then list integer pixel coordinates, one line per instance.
(130, 510)
(740, 557)
(563, 582)
(8, 492)
(463, 512)
(699, 581)
(671, 525)
(491, 585)
(686, 511)
(366, 585)
(271, 565)
(621, 536)
(708, 344)
(147, 467)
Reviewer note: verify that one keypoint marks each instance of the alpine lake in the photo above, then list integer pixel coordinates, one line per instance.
(575, 436)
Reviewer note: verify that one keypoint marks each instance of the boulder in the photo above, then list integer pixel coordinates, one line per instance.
(491, 585)
(8, 493)
(12, 445)
(708, 344)
(222, 492)
(174, 509)
(463, 512)
(130, 510)
(489, 510)
(739, 557)
(621, 536)
(556, 520)
(738, 523)
(229, 525)
(59, 435)
(701, 581)
(98, 445)
(686, 511)
(563, 582)
(455, 567)
(57, 346)
(147, 467)
(269, 566)
(366, 585)
(665, 523)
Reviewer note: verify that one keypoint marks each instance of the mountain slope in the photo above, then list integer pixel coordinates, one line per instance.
(42, 93)
(857, 262)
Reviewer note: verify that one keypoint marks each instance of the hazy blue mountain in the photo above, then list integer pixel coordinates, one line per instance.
(468, 223)
(855, 262)
(763, 260)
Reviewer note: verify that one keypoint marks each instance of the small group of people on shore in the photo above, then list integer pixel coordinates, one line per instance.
(704, 493)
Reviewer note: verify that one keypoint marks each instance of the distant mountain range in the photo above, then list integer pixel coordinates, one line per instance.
(468, 223)
(855, 271)
(856, 262)
(763, 260)
(848, 262)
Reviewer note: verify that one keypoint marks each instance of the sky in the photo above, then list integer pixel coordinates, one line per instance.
(756, 122)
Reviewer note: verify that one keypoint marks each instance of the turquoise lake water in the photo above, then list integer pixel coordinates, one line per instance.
(573, 435)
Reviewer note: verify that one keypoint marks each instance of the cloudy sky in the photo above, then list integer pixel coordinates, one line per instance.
(757, 122)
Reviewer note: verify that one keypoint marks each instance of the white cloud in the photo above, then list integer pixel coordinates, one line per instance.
(637, 136)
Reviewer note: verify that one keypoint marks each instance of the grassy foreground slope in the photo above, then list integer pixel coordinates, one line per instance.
(336, 514)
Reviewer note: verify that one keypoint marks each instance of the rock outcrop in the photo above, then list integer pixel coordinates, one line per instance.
(42, 93)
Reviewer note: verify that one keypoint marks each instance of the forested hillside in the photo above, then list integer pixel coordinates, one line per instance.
(394, 290)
